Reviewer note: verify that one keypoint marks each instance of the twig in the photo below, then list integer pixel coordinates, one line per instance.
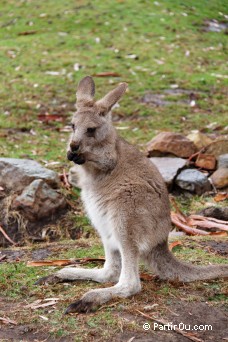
(64, 262)
(7, 237)
(177, 219)
(207, 222)
(177, 330)
(3, 257)
(65, 180)
(7, 320)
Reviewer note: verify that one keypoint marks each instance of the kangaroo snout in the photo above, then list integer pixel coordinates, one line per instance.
(74, 146)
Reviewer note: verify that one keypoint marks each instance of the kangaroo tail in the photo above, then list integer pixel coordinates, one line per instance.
(168, 267)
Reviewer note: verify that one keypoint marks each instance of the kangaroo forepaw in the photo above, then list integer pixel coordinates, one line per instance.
(48, 280)
(81, 306)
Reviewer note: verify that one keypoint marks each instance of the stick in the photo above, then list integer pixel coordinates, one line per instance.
(7, 237)
(206, 223)
(177, 330)
(65, 180)
(178, 221)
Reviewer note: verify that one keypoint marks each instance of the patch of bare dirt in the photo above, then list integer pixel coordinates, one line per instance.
(217, 247)
(194, 315)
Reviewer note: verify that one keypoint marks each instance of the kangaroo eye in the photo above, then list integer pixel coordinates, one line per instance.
(91, 130)
(73, 127)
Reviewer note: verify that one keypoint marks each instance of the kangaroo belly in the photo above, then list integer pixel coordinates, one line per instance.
(100, 216)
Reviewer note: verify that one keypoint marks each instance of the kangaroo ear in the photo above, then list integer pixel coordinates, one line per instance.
(113, 96)
(86, 90)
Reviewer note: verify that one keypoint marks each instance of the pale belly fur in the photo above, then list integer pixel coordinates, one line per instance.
(101, 218)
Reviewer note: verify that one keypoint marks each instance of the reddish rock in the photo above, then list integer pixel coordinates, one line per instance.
(166, 143)
(206, 161)
(220, 178)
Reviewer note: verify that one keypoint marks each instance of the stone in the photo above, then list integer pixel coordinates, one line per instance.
(38, 201)
(220, 178)
(15, 174)
(170, 143)
(168, 167)
(206, 161)
(223, 161)
(220, 213)
(218, 147)
(199, 139)
(193, 181)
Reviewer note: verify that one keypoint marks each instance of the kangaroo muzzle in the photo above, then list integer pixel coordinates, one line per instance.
(75, 157)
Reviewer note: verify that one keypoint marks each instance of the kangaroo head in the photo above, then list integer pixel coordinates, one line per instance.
(91, 124)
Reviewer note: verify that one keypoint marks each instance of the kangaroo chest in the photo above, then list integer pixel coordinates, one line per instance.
(100, 215)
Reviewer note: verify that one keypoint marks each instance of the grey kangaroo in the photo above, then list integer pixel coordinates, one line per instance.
(127, 202)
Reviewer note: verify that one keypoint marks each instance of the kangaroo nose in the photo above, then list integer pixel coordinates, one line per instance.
(74, 147)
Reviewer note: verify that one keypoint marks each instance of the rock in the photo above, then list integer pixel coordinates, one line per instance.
(220, 178)
(169, 167)
(170, 143)
(220, 213)
(223, 161)
(193, 181)
(206, 161)
(155, 99)
(199, 139)
(38, 200)
(218, 147)
(15, 174)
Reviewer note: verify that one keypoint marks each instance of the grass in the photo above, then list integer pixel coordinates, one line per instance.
(41, 42)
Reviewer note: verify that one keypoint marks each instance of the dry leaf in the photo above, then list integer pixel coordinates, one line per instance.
(50, 117)
(63, 262)
(107, 74)
(26, 33)
(146, 276)
(221, 196)
(174, 244)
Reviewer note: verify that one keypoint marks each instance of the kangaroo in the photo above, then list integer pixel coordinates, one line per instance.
(127, 202)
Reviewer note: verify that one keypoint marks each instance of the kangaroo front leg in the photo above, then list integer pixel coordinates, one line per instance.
(129, 284)
(110, 271)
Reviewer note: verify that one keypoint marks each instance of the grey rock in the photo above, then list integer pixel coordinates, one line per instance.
(193, 181)
(38, 200)
(15, 174)
(168, 167)
(220, 213)
(223, 161)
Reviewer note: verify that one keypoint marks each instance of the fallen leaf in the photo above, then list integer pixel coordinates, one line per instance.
(26, 33)
(174, 244)
(146, 276)
(107, 74)
(50, 117)
(63, 262)
(44, 318)
(221, 196)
